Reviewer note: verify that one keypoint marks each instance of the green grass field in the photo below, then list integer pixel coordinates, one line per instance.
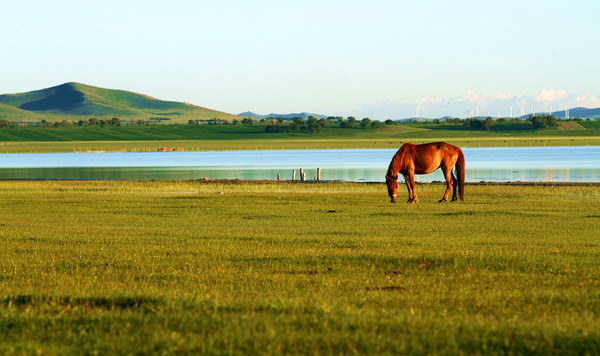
(238, 137)
(279, 268)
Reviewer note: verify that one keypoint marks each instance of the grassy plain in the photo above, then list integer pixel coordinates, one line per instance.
(238, 137)
(272, 268)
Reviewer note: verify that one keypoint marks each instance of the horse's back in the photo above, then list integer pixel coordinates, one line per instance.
(427, 157)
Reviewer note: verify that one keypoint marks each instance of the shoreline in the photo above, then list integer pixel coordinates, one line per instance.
(274, 181)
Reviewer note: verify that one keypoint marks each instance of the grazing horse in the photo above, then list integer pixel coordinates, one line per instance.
(414, 159)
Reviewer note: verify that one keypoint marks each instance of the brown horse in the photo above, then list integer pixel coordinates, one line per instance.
(414, 159)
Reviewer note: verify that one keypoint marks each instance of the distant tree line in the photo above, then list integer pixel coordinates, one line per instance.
(531, 123)
(213, 121)
(115, 121)
(313, 125)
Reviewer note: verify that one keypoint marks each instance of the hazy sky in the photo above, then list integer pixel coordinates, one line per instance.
(381, 59)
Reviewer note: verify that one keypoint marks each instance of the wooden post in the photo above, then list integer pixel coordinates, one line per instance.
(278, 177)
(301, 174)
(318, 174)
(294, 174)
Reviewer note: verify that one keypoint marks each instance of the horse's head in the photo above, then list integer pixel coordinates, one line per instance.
(392, 186)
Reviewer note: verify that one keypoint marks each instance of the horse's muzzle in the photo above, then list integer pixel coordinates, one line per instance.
(392, 198)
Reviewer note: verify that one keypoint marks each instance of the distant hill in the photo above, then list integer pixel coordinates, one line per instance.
(303, 115)
(580, 112)
(71, 101)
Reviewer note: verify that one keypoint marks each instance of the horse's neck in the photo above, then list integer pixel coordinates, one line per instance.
(397, 163)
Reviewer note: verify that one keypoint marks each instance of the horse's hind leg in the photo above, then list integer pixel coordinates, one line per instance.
(449, 181)
(454, 186)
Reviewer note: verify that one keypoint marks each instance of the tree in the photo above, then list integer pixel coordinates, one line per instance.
(313, 125)
(297, 124)
(552, 121)
(475, 124)
(487, 123)
(544, 121)
(365, 122)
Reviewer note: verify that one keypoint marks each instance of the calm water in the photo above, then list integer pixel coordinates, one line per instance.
(548, 164)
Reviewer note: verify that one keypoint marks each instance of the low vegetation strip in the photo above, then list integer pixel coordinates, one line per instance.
(264, 267)
(251, 137)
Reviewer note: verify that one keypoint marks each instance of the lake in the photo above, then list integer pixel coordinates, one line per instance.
(493, 164)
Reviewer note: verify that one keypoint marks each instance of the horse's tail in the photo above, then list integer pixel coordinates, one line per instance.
(460, 173)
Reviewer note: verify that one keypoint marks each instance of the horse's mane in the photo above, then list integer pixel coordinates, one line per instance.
(398, 160)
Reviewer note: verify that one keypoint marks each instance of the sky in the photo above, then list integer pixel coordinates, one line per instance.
(379, 59)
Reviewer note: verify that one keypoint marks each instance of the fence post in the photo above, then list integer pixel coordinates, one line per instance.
(318, 174)
(294, 174)
(301, 174)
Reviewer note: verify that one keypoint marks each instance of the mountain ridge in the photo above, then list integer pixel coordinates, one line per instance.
(304, 115)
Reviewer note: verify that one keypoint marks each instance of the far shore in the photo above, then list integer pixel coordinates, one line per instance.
(286, 144)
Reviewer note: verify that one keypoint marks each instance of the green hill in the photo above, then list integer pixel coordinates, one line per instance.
(74, 101)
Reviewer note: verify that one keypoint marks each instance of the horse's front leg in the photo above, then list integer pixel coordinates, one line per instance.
(410, 185)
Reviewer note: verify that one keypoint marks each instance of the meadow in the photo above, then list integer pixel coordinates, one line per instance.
(184, 267)
(253, 137)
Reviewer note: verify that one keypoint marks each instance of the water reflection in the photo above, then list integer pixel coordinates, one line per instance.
(534, 175)
(332, 174)
(526, 164)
